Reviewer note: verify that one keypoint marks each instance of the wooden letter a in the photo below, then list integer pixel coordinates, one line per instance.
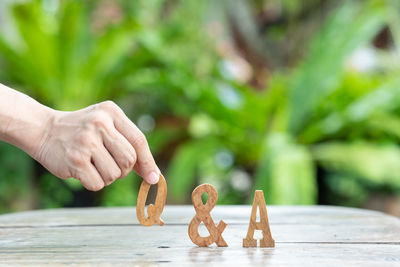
(263, 225)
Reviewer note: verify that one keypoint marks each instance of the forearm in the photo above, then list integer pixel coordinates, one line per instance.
(22, 120)
(96, 145)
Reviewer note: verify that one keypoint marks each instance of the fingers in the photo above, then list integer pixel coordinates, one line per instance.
(121, 150)
(90, 178)
(145, 165)
(98, 145)
(105, 165)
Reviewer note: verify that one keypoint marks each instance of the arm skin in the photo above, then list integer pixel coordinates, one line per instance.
(95, 145)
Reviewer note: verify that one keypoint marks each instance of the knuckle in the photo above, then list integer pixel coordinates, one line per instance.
(140, 140)
(76, 158)
(127, 165)
(109, 106)
(131, 161)
(87, 139)
(114, 175)
(124, 174)
(98, 120)
(96, 187)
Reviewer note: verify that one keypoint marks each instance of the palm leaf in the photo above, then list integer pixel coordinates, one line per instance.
(378, 164)
(285, 172)
(182, 169)
(351, 26)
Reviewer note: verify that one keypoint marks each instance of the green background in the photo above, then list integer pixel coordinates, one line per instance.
(297, 98)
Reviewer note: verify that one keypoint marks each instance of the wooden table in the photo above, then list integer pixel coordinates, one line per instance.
(304, 235)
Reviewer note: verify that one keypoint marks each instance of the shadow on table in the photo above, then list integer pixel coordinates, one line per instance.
(219, 254)
(259, 255)
(207, 254)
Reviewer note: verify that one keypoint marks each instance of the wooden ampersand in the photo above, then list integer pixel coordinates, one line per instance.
(263, 225)
(154, 211)
(203, 215)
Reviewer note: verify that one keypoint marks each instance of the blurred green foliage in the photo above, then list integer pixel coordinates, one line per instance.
(315, 131)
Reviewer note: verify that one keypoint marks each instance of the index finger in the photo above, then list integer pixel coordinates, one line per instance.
(145, 165)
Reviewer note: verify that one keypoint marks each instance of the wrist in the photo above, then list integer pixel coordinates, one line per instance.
(29, 132)
(40, 130)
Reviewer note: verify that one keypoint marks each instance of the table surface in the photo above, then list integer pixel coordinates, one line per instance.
(304, 235)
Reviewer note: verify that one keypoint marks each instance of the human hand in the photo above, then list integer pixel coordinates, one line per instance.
(96, 145)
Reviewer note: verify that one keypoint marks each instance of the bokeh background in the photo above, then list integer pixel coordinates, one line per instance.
(298, 98)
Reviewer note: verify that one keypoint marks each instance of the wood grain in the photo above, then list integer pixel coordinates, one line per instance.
(304, 235)
(263, 225)
(179, 214)
(154, 211)
(203, 215)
